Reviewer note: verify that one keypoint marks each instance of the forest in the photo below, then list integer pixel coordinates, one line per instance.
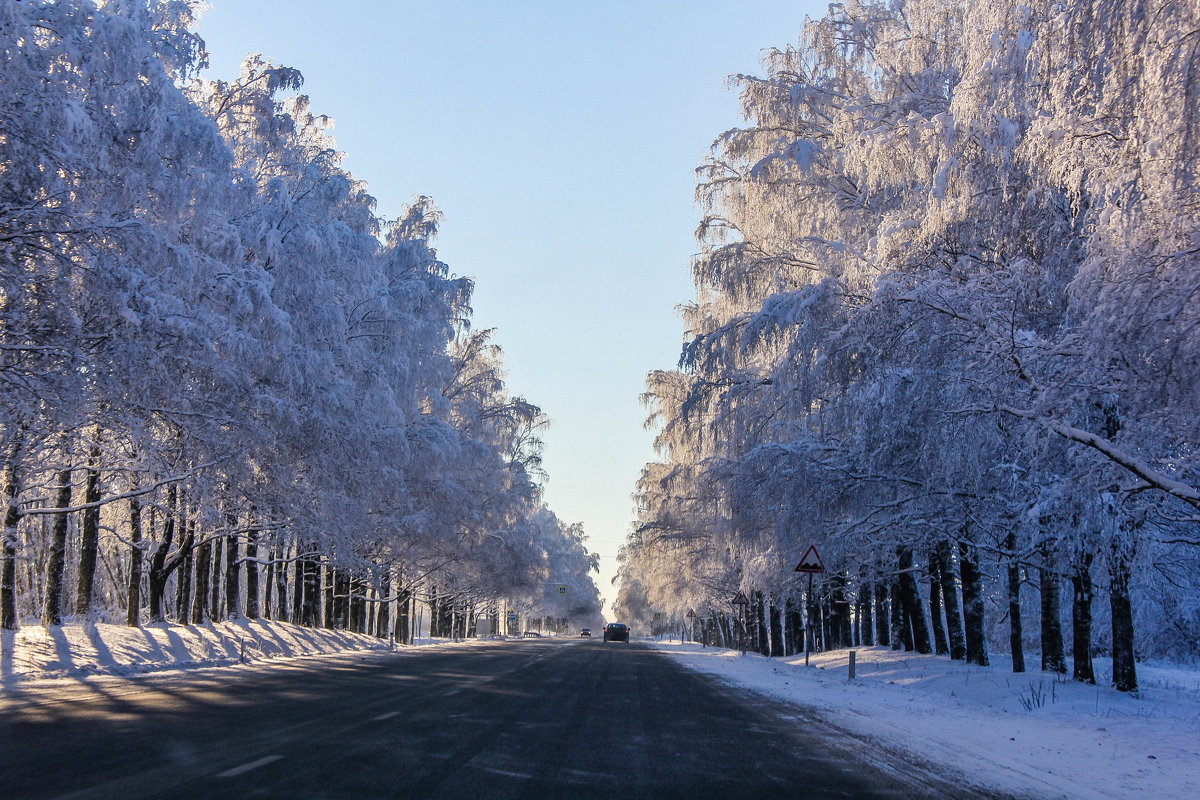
(946, 330)
(228, 385)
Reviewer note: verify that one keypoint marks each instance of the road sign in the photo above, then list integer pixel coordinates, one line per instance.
(562, 589)
(691, 614)
(811, 563)
(658, 616)
(739, 599)
(512, 614)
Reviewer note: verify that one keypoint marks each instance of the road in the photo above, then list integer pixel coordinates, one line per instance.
(521, 719)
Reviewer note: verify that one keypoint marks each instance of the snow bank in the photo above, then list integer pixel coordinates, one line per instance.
(35, 653)
(1033, 734)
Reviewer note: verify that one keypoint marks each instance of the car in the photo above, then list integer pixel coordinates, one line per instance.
(616, 632)
(531, 635)
(586, 632)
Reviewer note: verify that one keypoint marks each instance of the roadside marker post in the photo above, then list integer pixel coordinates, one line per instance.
(852, 655)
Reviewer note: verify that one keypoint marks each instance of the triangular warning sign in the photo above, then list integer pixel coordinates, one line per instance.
(811, 563)
(691, 614)
(739, 599)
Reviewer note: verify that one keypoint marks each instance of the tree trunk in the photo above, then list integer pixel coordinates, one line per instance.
(883, 616)
(133, 596)
(445, 613)
(839, 613)
(402, 619)
(1081, 619)
(1016, 641)
(341, 600)
(954, 623)
(1053, 658)
(901, 635)
(382, 623)
(89, 545)
(203, 572)
(158, 560)
(214, 582)
(183, 587)
(232, 575)
(353, 622)
(776, 630)
(760, 625)
(1123, 665)
(795, 626)
(910, 595)
(297, 571)
(973, 608)
(268, 605)
(8, 544)
(328, 590)
(281, 595)
(251, 576)
(940, 645)
(866, 620)
(311, 591)
(57, 556)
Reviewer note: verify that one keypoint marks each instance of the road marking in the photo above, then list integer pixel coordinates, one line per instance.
(388, 715)
(233, 773)
(505, 772)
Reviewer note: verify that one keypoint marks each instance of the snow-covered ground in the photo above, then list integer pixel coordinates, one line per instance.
(36, 653)
(1033, 734)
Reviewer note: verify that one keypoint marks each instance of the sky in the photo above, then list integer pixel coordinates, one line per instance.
(559, 140)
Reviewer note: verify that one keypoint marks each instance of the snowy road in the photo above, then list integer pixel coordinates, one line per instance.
(521, 719)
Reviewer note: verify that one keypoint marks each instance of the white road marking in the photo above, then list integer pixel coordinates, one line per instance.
(233, 773)
(505, 772)
(388, 715)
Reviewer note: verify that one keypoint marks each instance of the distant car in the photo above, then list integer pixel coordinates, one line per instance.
(616, 632)
(586, 632)
(531, 635)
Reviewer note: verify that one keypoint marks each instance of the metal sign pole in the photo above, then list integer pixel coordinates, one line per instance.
(808, 620)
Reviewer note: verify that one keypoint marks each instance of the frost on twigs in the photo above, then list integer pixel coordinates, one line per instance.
(945, 328)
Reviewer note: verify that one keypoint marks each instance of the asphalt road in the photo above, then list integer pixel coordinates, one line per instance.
(522, 719)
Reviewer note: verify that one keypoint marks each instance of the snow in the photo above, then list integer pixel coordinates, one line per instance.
(75, 651)
(1081, 742)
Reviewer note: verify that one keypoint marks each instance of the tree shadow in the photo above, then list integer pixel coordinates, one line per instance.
(62, 647)
(104, 656)
(8, 675)
(157, 654)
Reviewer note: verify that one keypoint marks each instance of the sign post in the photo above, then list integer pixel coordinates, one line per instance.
(812, 564)
(739, 599)
(692, 616)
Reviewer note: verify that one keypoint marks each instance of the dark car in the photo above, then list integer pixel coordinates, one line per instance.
(616, 632)
(586, 632)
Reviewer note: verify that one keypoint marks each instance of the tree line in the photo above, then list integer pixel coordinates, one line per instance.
(228, 385)
(945, 329)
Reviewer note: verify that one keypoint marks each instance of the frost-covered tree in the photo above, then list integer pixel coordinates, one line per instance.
(225, 375)
(943, 308)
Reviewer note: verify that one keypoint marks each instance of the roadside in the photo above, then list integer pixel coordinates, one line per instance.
(1032, 734)
(34, 653)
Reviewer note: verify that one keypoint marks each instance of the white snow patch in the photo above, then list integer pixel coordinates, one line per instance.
(79, 650)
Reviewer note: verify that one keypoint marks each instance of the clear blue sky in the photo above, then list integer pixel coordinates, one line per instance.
(559, 139)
